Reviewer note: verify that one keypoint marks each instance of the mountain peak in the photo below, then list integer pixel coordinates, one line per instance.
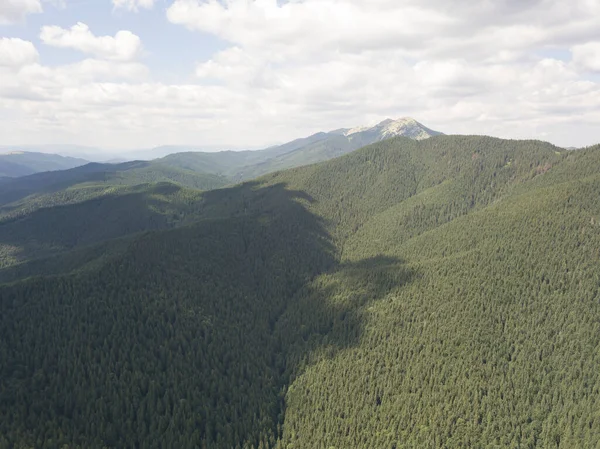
(404, 121)
(386, 122)
(388, 128)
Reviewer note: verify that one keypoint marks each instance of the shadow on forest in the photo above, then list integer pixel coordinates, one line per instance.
(49, 231)
(55, 181)
(205, 324)
(330, 312)
(321, 305)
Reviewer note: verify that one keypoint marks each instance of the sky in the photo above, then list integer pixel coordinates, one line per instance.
(250, 73)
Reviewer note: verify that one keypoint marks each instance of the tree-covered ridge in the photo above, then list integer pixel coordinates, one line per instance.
(494, 343)
(468, 172)
(53, 212)
(435, 294)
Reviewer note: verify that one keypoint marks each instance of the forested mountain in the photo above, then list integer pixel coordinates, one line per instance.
(22, 163)
(244, 165)
(436, 293)
(49, 213)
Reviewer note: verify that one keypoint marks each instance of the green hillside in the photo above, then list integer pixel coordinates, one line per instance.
(317, 151)
(49, 213)
(442, 293)
(325, 146)
(238, 165)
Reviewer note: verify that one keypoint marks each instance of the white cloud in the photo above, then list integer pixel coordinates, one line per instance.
(119, 105)
(12, 11)
(463, 65)
(133, 5)
(587, 56)
(425, 27)
(35, 82)
(301, 66)
(238, 67)
(16, 52)
(87, 71)
(124, 46)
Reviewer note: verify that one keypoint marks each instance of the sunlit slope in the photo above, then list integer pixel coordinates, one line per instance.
(451, 175)
(494, 341)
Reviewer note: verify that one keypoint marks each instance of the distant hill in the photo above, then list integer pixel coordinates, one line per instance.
(325, 146)
(165, 150)
(205, 171)
(21, 163)
(91, 154)
(244, 165)
(230, 161)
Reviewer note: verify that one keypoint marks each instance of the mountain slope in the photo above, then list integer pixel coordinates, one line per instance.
(441, 293)
(463, 355)
(21, 163)
(244, 165)
(325, 146)
(34, 189)
(85, 216)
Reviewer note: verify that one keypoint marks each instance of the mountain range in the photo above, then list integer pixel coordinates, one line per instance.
(202, 170)
(413, 293)
(235, 164)
(22, 163)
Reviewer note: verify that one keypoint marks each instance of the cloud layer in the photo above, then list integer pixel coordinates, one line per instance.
(511, 68)
(587, 56)
(16, 52)
(12, 11)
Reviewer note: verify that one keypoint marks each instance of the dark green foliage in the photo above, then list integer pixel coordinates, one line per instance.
(443, 293)
(194, 365)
